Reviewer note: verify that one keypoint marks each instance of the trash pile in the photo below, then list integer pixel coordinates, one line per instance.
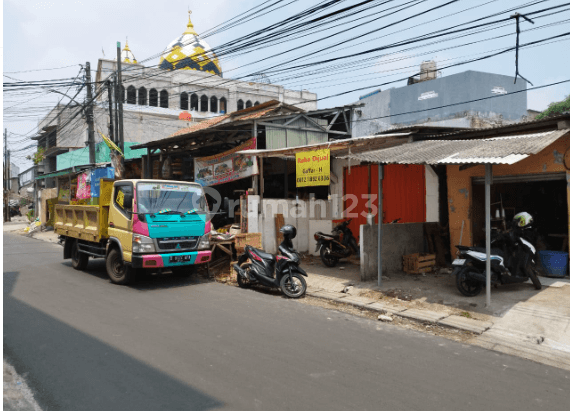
(33, 226)
(225, 233)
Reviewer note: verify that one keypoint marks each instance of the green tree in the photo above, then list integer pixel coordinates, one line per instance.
(555, 109)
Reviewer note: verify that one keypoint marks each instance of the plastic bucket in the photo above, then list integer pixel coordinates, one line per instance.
(555, 263)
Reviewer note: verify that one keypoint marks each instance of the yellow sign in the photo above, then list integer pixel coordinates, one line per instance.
(120, 198)
(313, 168)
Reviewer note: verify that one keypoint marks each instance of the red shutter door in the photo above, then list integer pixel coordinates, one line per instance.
(404, 194)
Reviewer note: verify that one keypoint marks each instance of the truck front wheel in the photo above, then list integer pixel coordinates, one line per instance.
(79, 260)
(117, 270)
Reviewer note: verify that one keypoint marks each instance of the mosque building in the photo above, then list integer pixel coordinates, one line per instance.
(189, 77)
(186, 86)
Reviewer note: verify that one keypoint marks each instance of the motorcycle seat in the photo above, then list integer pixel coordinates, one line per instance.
(264, 255)
(319, 233)
(494, 251)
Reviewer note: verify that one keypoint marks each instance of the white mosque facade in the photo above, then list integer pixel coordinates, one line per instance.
(189, 78)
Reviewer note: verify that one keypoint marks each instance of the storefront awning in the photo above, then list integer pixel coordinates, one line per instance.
(496, 150)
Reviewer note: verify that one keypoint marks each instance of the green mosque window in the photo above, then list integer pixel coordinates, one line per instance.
(214, 104)
(142, 96)
(153, 98)
(164, 99)
(223, 105)
(194, 102)
(184, 101)
(240, 105)
(131, 95)
(204, 103)
(248, 104)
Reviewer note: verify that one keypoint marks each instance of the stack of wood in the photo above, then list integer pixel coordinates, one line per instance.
(177, 167)
(418, 263)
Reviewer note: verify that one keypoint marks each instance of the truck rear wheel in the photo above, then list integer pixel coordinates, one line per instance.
(79, 260)
(117, 270)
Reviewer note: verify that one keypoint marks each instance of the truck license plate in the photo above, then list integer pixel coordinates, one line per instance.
(458, 261)
(179, 258)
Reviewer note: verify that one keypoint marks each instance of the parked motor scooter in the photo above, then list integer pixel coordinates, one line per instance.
(278, 271)
(340, 244)
(514, 262)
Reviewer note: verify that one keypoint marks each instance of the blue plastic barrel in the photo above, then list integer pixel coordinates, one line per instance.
(555, 263)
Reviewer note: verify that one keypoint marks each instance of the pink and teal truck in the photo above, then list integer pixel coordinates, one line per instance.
(153, 225)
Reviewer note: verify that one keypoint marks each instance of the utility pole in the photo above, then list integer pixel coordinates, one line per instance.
(111, 131)
(4, 175)
(117, 98)
(119, 84)
(89, 109)
(8, 177)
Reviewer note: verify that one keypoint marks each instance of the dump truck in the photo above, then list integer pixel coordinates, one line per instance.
(139, 225)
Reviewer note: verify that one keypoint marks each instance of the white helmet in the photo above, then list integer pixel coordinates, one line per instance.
(523, 219)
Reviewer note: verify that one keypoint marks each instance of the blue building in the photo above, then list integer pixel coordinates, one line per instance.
(432, 100)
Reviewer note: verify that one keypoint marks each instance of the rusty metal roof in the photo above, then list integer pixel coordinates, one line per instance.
(268, 109)
(496, 150)
(338, 148)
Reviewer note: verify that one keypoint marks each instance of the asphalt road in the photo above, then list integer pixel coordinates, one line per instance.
(172, 344)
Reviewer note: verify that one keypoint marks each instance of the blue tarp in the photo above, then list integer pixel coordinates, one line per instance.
(96, 174)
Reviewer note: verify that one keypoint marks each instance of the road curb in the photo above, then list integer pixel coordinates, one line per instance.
(421, 316)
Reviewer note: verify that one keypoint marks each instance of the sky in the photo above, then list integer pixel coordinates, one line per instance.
(45, 36)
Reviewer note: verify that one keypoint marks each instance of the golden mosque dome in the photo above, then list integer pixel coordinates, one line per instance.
(127, 55)
(190, 52)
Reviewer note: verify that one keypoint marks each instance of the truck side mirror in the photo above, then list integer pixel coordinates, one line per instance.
(128, 201)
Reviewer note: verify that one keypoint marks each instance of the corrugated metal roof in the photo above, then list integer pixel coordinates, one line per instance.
(338, 147)
(233, 119)
(200, 126)
(496, 150)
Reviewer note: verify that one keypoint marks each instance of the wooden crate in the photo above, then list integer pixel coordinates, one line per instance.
(252, 239)
(418, 263)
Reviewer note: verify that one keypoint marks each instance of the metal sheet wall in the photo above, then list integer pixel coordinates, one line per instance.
(282, 138)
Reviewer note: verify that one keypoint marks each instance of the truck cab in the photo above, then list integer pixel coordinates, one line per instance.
(143, 225)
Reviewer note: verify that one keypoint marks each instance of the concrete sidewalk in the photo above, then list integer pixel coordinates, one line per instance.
(17, 395)
(537, 329)
(521, 321)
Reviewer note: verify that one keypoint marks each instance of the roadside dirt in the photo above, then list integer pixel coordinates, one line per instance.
(223, 273)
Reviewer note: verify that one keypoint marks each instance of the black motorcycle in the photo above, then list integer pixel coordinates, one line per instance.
(340, 244)
(513, 260)
(256, 266)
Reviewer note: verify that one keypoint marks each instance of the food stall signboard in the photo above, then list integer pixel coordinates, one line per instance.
(227, 166)
(313, 168)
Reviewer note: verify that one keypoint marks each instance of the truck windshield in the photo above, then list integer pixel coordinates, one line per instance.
(160, 197)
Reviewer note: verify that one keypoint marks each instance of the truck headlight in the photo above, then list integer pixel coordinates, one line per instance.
(204, 243)
(143, 244)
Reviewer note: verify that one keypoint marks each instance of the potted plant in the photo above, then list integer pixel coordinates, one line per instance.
(38, 157)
